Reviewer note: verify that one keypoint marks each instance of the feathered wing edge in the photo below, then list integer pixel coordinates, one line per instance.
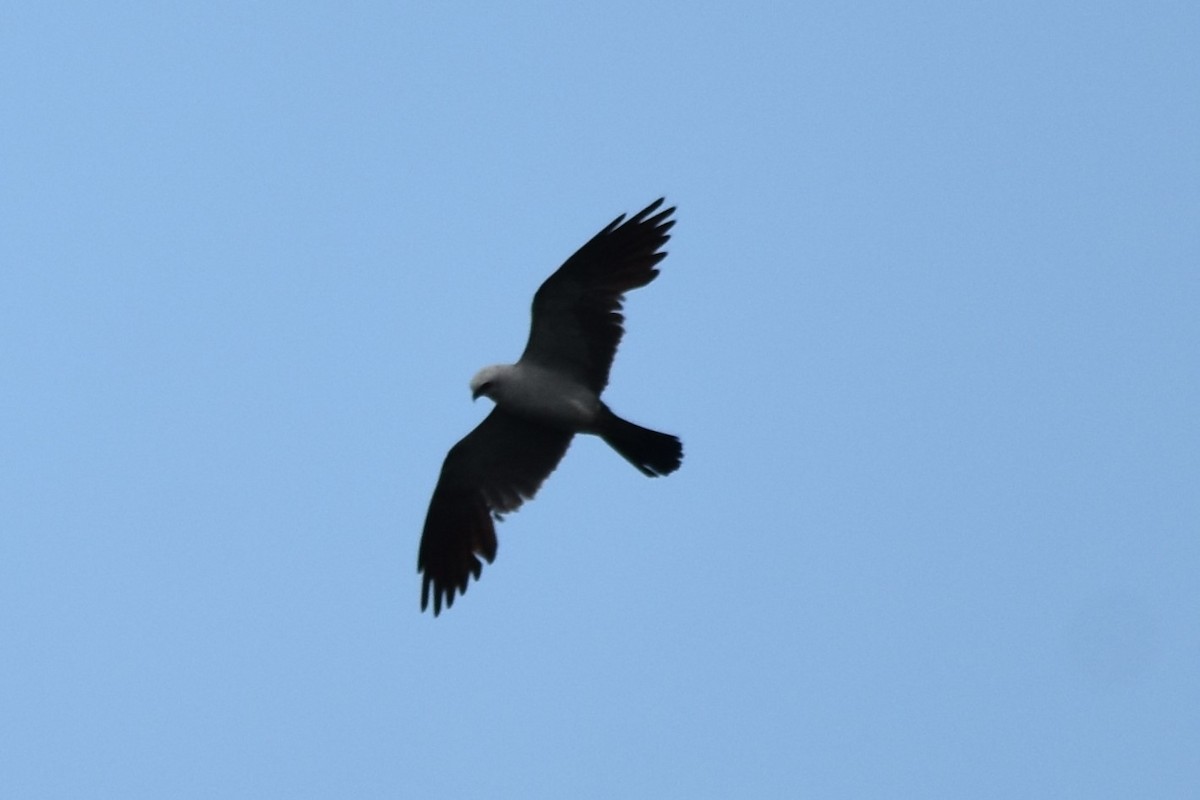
(577, 314)
(492, 471)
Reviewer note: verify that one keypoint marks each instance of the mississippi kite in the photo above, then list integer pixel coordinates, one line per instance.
(542, 401)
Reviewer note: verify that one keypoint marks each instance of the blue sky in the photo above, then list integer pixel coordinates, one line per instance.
(927, 328)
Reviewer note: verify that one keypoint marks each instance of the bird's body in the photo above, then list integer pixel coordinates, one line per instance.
(539, 393)
(542, 401)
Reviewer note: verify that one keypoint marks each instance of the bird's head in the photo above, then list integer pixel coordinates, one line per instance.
(484, 382)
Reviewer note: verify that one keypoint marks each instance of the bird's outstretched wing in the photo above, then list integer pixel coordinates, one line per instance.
(577, 320)
(494, 469)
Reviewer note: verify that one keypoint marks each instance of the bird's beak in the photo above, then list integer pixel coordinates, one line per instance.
(475, 394)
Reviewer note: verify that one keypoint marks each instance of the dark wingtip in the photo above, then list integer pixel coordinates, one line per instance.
(443, 593)
(661, 222)
(650, 209)
(439, 592)
(443, 590)
(612, 226)
(426, 584)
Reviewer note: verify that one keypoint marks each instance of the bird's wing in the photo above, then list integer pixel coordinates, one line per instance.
(577, 321)
(494, 469)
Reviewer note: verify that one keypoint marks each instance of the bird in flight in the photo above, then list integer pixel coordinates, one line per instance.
(542, 401)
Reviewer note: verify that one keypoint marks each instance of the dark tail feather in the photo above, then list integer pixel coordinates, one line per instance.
(651, 452)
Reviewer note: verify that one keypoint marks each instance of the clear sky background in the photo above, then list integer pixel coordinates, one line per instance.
(928, 329)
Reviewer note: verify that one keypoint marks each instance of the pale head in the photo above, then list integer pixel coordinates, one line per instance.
(484, 382)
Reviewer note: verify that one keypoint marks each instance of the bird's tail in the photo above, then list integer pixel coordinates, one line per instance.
(651, 452)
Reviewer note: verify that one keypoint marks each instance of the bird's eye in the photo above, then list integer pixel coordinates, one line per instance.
(485, 387)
